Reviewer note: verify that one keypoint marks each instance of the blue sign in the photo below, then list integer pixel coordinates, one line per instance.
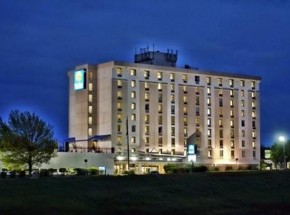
(79, 80)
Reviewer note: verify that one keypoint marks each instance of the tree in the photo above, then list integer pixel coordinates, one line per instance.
(277, 152)
(26, 140)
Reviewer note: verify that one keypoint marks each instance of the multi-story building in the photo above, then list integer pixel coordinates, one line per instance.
(149, 111)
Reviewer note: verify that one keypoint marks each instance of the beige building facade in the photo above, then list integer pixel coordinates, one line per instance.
(150, 113)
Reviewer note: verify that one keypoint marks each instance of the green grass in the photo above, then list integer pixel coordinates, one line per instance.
(198, 193)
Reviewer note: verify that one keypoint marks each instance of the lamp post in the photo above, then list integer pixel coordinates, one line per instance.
(282, 139)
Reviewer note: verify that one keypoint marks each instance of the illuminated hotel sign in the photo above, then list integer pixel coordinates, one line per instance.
(191, 149)
(80, 80)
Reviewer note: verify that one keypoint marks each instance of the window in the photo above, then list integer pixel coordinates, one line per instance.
(147, 142)
(119, 117)
(146, 96)
(133, 83)
(242, 83)
(231, 93)
(172, 131)
(184, 89)
(172, 109)
(232, 134)
(119, 140)
(147, 119)
(221, 144)
(146, 74)
(197, 111)
(220, 81)
(221, 153)
(133, 128)
(90, 109)
(243, 123)
(185, 121)
(253, 95)
(133, 106)
(160, 97)
(159, 86)
(209, 153)
(160, 142)
(232, 144)
(232, 154)
(208, 122)
(209, 132)
(172, 99)
(243, 143)
(253, 85)
(90, 98)
(172, 77)
(242, 93)
(159, 76)
(254, 134)
(91, 86)
(232, 123)
(185, 110)
(242, 103)
(220, 102)
(208, 91)
(159, 108)
(90, 120)
(221, 112)
(133, 72)
(196, 90)
(243, 133)
(220, 123)
(208, 80)
(197, 122)
(133, 140)
(159, 119)
(197, 100)
(133, 117)
(146, 130)
(172, 120)
(119, 106)
(90, 131)
(147, 108)
(254, 144)
(232, 103)
(119, 83)
(254, 154)
(184, 78)
(185, 132)
(209, 142)
(146, 84)
(208, 101)
(242, 113)
(185, 99)
(220, 92)
(197, 79)
(221, 133)
(133, 149)
(253, 114)
(119, 72)
(133, 94)
(119, 129)
(231, 82)
(243, 153)
(209, 112)
(119, 94)
(173, 142)
(160, 130)
(253, 105)
(172, 87)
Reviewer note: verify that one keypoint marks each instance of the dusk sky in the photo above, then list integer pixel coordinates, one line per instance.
(40, 40)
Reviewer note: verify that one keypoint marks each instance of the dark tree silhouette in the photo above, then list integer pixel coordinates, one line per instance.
(26, 140)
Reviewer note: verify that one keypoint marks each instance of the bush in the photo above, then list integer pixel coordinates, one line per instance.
(170, 168)
(62, 171)
(200, 169)
(51, 171)
(21, 174)
(229, 168)
(80, 171)
(12, 174)
(93, 171)
(3, 174)
(130, 172)
(44, 173)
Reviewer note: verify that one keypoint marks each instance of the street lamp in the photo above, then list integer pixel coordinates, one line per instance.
(282, 139)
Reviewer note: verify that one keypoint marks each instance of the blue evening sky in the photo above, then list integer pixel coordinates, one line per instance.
(40, 40)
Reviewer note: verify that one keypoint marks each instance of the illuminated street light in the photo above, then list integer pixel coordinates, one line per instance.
(282, 139)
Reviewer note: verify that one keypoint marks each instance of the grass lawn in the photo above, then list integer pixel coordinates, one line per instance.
(198, 193)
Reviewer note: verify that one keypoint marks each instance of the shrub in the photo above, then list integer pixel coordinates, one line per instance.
(12, 174)
(44, 173)
(80, 171)
(200, 169)
(93, 171)
(229, 168)
(21, 174)
(51, 171)
(130, 172)
(3, 174)
(62, 171)
(170, 168)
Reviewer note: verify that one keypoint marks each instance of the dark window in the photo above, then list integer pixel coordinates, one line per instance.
(196, 78)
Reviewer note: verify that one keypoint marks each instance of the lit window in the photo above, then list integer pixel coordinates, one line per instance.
(133, 83)
(133, 72)
(185, 110)
(232, 123)
(119, 106)
(253, 134)
(242, 83)
(90, 87)
(119, 140)
(159, 86)
(208, 91)
(119, 72)
(253, 95)
(146, 85)
(90, 98)
(231, 81)
(185, 132)
(172, 120)
(220, 122)
(159, 76)
(147, 130)
(220, 81)
(253, 114)
(147, 119)
(119, 83)
(160, 97)
(232, 144)
(133, 94)
(119, 117)
(208, 80)
(172, 77)
(90, 109)
(185, 99)
(90, 120)
(133, 149)
(209, 132)
(220, 92)
(242, 93)
(242, 113)
(160, 108)
(208, 101)
(253, 104)
(221, 153)
(133, 117)
(196, 90)
(220, 112)
(133, 106)
(146, 74)
(232, 134)
(209, 153)
(196, 121)
(253, 84)
(231, 102)
(208, 111)
(231, 93)
(185, 121)
(209, 122)
(184, 78)
(242, 103)
(254, 144)
(172, 87)
(90, 131)
(146, 96)
(172, 99)
(119, 94)
(184, 89)
(147, 141)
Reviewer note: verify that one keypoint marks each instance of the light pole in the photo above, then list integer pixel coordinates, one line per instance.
(282, 139)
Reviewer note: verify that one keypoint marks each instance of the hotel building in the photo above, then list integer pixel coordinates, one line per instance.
(150, 111)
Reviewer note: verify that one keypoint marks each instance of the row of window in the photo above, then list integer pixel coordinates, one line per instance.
(159, 76)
